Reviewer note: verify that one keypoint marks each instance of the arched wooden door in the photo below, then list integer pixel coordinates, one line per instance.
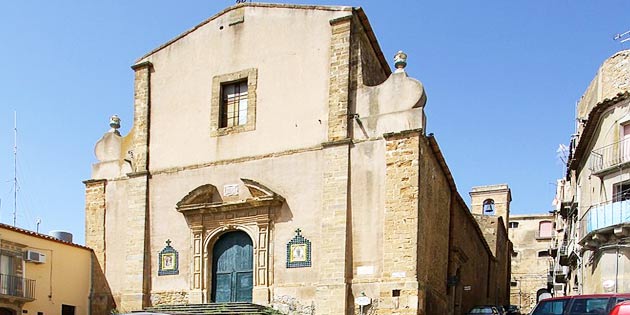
(232, 265)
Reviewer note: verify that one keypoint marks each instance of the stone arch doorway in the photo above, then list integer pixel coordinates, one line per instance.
(232, 268)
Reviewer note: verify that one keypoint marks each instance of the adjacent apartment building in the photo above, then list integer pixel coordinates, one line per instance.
(594, 199)
(532, 261)
(46, 275)
(275, 158)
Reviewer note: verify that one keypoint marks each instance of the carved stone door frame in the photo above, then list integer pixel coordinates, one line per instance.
(209, 218)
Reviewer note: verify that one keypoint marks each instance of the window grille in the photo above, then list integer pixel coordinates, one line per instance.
(233, 104)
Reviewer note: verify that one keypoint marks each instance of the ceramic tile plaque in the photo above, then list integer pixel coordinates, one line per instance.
(298, 251)
(168, 261)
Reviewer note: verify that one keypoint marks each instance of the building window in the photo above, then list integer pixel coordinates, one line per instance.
(543, 253)
(233, 102)
(513, 283)
(545, 229)
(67, 309)
(513, 225)
(514, 253)
(621, 192)
(488, 207)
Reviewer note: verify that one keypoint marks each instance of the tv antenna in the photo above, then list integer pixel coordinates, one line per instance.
(622, 37)
(15, 179)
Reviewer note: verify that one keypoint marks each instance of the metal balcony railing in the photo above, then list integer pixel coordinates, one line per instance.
(605, 215)
(564, 248)
(610, 156)
(17, 287)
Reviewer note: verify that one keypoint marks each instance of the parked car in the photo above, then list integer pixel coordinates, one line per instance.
(596, 304)
(512, 310)
(622, 308)
(484, 309)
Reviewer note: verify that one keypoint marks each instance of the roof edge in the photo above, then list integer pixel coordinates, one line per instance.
(591, 124)
(41, 236)
(451, 182)
(240, 5)
(367, 27)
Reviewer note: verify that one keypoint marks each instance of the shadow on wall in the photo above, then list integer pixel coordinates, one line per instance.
(101, 298)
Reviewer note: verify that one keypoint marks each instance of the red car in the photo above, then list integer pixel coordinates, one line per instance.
(622, 308)
(595, 304)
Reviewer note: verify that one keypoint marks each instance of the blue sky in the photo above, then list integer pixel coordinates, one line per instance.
(502, 79)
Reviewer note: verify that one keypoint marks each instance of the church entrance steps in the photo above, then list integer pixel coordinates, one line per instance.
(241, 308)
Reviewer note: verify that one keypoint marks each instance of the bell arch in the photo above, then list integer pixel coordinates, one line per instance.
(210, 215)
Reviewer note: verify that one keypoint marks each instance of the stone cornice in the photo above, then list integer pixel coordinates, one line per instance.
(94, 181)
(141, 65)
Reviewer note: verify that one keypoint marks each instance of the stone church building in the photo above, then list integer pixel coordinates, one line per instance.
(275, 158)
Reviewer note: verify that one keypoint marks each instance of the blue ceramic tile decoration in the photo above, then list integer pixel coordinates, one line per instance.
(298, 251)
(168, 261)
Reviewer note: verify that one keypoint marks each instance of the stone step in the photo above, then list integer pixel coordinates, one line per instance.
(240, 308)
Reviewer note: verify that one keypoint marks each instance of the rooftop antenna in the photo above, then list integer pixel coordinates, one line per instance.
(622, 37)
(241, 1)
(15, 181)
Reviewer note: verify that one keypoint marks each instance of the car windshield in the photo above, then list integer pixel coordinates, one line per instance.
(550, 307)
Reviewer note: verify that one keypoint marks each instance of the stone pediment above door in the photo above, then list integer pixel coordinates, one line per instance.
(206, 202)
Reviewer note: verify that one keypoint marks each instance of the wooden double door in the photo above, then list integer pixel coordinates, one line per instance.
(232, 265)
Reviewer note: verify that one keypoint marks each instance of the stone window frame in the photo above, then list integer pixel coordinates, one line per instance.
(251, 75)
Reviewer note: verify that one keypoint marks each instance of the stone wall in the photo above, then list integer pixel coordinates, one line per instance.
(529, 272)
(169, 298)
(95, 218)
(401, 293)
(434, 198)
(612, 77)
(137, 267)
(101, 300)
(470, 260)
(339, 81)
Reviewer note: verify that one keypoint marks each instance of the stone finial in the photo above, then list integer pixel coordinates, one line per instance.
(114, 122)
(400, 61)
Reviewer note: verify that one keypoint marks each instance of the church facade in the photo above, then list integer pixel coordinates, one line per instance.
(289, 168)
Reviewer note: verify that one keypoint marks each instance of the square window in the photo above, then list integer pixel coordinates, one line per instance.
(545, 230)
(67, 309)
(233, 103)
(621, 192)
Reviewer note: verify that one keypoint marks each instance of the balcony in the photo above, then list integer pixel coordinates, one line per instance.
(567, 253)
(553, 248)
(605, 159)
(604, 218)
(18, 288)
